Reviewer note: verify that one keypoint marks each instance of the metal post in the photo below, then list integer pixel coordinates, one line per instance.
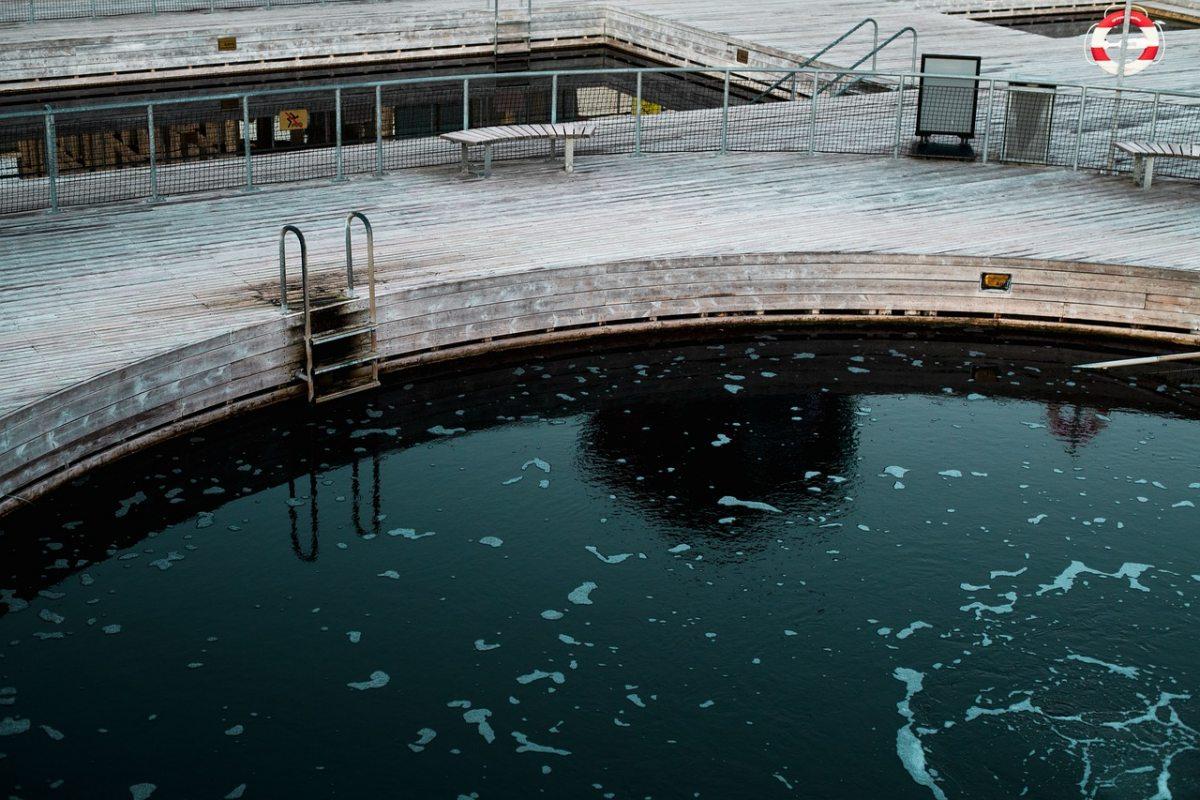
(899, 117)
(91, 8)
(812, 113)
(637, 118)
(987, 125)
(554, 98)
(246, 140)
(794, 94)
(466, 104)
(337, 122)
(1079, 129)
(153, 153)
(725, 115)
(52, 159)
(212, 6)
(1112, 153)
(153, 6)
(1154, 116)
(379, 131)
(32, 12)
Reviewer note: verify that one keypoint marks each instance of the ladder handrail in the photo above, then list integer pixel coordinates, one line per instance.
(361, 217)
(283, 232)
(823, 51)
(857, 64)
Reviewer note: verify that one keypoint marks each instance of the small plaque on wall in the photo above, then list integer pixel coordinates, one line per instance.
(225, 43)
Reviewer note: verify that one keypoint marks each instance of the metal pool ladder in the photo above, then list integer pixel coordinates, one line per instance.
(341, 347)
(513, 34)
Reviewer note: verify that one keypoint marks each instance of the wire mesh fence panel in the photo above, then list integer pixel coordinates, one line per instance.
(358, 131)
(774, 117)
(859, 120)
(294, 137)
(666, 128)
(24, 172)
(1177, 121)
(185, 5)
(198, 147)
(412, 118)
(609, 99)
(30, 10)
(102, 156)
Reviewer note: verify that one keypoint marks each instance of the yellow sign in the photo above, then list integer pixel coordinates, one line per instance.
(995, 281)
(647, 107)
(293, 119)
(226, 43)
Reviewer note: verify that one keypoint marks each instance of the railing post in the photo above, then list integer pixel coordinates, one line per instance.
(337, 122)
(92, 8)
(987, 124)
(32, 12)
(246, 140)
(153, 6)
(1154, 116)
(379, 131)
(52, 159)
(794, 89)
(466, 104)
(725, 115)
(812, 113)
(153, 153)
(637, 118)
(554, 98)
(899, 117)
(1079, 129)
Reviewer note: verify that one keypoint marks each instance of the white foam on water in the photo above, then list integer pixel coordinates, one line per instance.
(950, 473)
(479, 718)
(707, 704)
(896, 472)
(111, 629)
(581, 594)
(1023, 706)
(237, 792)
(511, 481)
(1004, 573)
(730, 500)
(1066, 579)
(11, 727)
(354, 636)
(732, 388)
(46, 615)
(909, 630)
(636, 700)
(424, 737)
(979, 608)
(53, 733)
(614, 559)
(236, 730)
(721, 440)
(1128, 672)
(908, 743)
(391, 573)
(1184, 504)
(409, 533)
(526, 746)
(142, 791)
(679, 548)
(970, 587)
(378, 680)
(491, 541)
(1036, 520)
(483, 646)
(438, 430)
(538, 463)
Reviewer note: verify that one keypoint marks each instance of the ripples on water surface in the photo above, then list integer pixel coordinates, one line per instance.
(770, 566)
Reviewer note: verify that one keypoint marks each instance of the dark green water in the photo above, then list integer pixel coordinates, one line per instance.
(772, 566)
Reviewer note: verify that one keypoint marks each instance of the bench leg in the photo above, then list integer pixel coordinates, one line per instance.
(569, 155)
(487, 161)
(552, 151)
(1148, 175)
(466, 161)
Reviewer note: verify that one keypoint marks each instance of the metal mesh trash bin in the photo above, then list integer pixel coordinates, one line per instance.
(1028, 119)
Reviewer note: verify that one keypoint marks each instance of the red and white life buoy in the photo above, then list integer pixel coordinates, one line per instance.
(1143, 50)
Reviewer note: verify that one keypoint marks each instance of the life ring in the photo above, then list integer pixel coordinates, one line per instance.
(1151, 42)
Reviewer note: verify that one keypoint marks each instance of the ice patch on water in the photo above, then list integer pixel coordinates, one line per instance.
(378, 680)
(409, 533)
(236, 730)
(424, 737)
(615, 559)
(537, 675)
(909, 630)
(538, 463)
(129, 503)
(166, 563)
(1128, 672)
(707, 704)
(999, 573)
(721, 440)
(730, 500)
(237, 792)
(679, 548)
(491, 541)
(526, 746)
(636, 700)
(354, 636)
(483, 646)
(979, 607)
(908, 744)
(142, 791)
(896, 472)
(732, 388)
(46, 615)
(950, 473)
(1036, 520)
(581, 594)
(55, 735)
(1066, 579)
(438, 430)
(479, 718)
(111, 629)
(11, 727)
(391, 573)
(551, 613)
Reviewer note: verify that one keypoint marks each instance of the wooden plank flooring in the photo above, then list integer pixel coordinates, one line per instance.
(89, 290)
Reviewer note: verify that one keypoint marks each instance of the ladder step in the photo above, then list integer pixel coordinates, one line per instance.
(344, 333)
(350, 362)
(359, 387)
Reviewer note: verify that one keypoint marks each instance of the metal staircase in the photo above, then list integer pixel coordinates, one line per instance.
(513, 32)
(341, 355)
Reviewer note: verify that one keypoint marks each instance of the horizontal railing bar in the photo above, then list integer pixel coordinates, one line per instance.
(739, 71)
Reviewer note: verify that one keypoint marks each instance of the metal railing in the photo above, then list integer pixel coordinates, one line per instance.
(813, 58)
(34, 10)
(101, 153)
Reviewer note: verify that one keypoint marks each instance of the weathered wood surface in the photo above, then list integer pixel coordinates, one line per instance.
(517, 133)
(1165, 149)
(56, 48)
(117, 322)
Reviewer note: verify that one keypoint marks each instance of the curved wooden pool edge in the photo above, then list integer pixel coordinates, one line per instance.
(64, 435)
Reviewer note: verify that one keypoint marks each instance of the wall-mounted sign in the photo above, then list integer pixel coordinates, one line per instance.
(946, 103)
(226, 43)
(995, 281)
(1145, 46)
(743, 56)
(293, 119)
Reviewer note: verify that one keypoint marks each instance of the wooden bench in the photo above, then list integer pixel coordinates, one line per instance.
(1144, 154)
(567, 131)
